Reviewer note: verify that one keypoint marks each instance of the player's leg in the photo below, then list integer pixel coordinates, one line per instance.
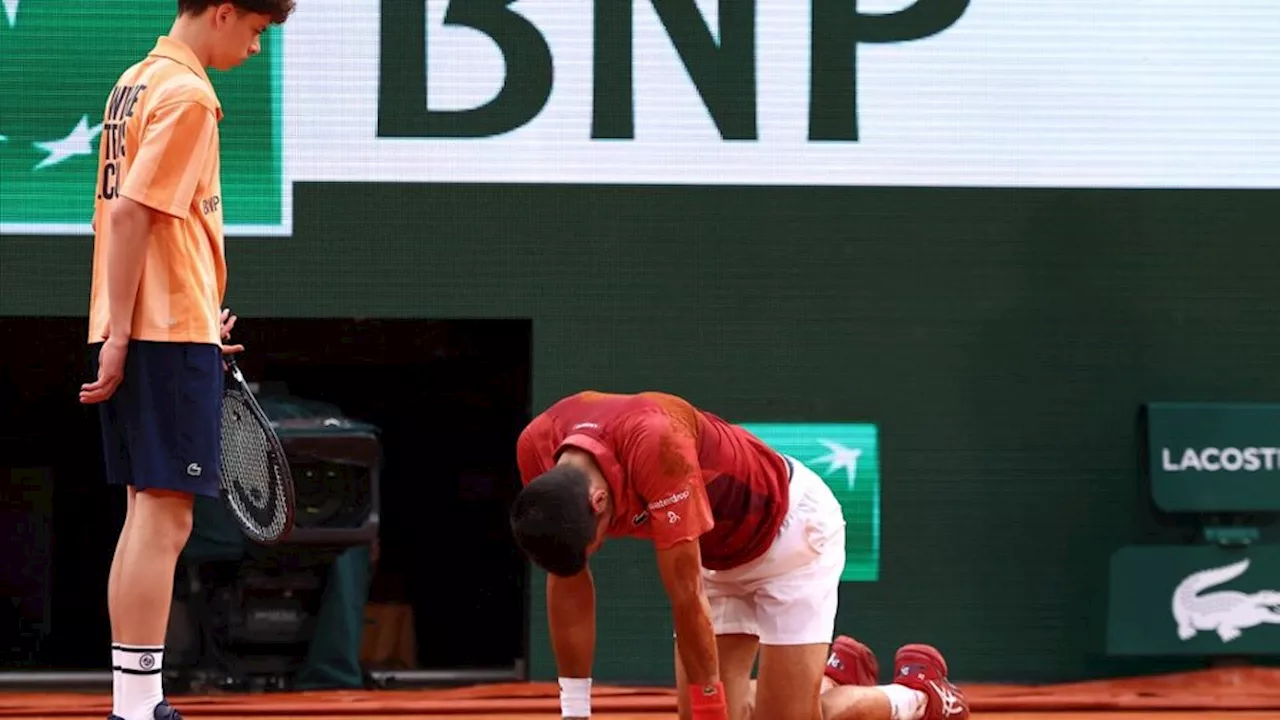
(790, 681)
(113, 579)
(797, 619)
(113, 594)
(848, 702)
(798, 607)
(847, 688)
(118, 471)
(737, 655)
(113, 416)
(920, 691)
(847, 692)
(171, 403)
(158, 531)
(796, 601)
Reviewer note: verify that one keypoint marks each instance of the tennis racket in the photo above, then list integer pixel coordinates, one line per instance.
(257, 485)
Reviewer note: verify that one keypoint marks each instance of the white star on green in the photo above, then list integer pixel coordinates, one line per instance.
(11, 11)
(77, 142)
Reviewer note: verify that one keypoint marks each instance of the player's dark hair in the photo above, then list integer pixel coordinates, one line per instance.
(553, 522)
(279, 10)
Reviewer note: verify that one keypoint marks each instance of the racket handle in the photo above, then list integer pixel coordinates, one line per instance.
(234, 367)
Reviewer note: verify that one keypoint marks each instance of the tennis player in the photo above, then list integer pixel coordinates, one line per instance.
(156, 331)
(750, 546)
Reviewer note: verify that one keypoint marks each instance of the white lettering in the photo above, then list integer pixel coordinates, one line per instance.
(1232, 459)
(668, 501)
(1251, 461)
(1190, 460)
(1209, 459)
(1229, 459)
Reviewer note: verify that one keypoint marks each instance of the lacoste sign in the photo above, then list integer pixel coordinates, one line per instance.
(1213, 457)
(1194, 600)
(1199, 604)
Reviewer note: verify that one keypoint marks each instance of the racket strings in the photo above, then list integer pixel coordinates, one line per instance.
(250, 477)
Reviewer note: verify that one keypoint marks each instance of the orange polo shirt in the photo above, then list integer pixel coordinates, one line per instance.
(159, 147)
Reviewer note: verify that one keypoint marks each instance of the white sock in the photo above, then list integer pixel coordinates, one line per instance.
(139, 689)
(905, 703)
(115, 680)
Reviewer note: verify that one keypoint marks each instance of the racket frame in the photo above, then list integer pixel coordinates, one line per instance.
(276, 456)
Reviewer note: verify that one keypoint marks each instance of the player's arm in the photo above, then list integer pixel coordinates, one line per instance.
(130, 230)
(681, 569)
(571, 613)
(663, 465)
(571, 602)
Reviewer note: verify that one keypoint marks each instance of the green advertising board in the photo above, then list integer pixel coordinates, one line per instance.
(58, 63)
(847, 458)
(1194, 600)
(1214, 457)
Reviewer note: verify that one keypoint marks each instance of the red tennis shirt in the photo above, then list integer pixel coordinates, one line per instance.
(675, 472)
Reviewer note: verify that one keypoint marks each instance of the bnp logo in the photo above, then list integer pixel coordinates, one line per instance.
(847, 458)
(722, 64)
(51, 120)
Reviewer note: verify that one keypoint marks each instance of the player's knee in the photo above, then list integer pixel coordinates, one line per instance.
(164, 518)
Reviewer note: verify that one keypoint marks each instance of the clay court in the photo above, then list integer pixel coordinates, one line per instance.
(1234, 694)
(1155, 715)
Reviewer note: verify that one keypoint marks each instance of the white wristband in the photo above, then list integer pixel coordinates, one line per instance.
(575, 697)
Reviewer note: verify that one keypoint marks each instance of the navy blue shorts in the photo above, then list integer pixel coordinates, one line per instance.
(161, 429)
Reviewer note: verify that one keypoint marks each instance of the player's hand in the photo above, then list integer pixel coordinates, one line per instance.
(110, 372)
(228, 322)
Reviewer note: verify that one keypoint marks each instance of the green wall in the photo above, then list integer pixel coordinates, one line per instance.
(1003, 341)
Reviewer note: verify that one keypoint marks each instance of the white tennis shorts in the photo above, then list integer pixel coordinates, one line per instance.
(789, 595)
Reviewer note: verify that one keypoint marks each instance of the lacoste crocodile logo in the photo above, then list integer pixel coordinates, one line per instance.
(1227, 612)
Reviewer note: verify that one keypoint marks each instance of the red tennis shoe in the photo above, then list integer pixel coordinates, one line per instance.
(921, 667)
(852, 663)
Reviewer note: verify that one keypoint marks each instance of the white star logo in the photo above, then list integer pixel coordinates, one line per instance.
(11, 10)
(841, 458)
(78, 142)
